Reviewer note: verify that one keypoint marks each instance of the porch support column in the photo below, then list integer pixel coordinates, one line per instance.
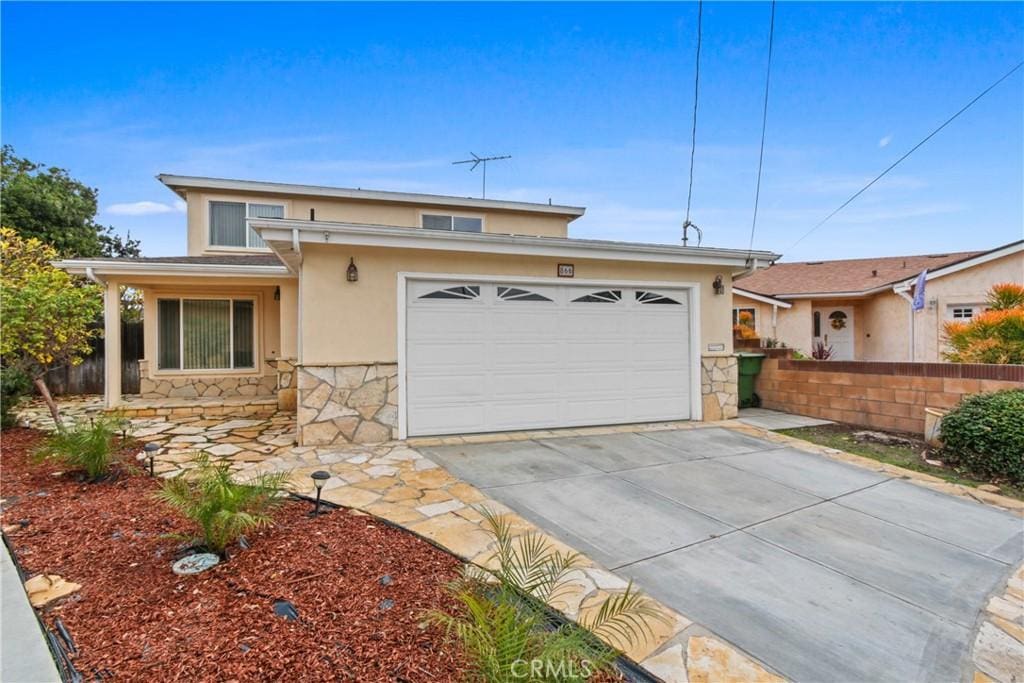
(112, 344)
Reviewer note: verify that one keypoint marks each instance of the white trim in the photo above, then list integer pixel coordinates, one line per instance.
(354, 234)
(835, 295)
(164, 268)
(993, 255)
(200, 183)
(693, 290)
(760, 297)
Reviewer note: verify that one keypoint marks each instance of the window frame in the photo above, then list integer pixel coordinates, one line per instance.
(427, 212)
(257, 307)
(975, 310)
(247, 201)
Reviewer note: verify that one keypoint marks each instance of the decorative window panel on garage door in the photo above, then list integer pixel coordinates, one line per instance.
(493, 356)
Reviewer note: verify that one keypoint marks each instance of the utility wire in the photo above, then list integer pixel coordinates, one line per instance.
(696, 91)
(912, 150)
(764, 127)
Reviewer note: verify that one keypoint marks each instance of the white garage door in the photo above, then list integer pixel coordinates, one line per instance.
(492, 356)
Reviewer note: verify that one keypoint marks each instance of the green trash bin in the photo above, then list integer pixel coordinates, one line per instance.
(749, 367)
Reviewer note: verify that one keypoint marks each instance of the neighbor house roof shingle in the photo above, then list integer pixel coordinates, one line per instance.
(843, 276)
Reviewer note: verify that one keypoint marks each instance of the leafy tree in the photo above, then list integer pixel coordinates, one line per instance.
(48, 204)
(994, 336)
(46, 314)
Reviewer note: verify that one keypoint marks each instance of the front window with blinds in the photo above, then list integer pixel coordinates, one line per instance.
(227, 223)
(205, 334)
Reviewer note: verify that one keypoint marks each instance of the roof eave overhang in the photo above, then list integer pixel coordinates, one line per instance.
(835, 295)
(180, 184)
(284, 235)
(116, 268)
(997, 253)
(761, 297)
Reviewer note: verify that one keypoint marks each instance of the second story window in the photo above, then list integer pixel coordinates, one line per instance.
(433, 221)
(227, 223)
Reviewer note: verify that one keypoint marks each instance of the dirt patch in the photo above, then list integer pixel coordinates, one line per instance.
(903, 450)
(134, 619)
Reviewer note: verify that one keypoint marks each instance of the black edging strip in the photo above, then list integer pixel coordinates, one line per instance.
(626, 666)
(67, 671)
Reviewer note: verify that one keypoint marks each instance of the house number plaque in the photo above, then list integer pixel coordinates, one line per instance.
(566, 270)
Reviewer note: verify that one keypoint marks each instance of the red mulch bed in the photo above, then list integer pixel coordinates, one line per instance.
(134, 619)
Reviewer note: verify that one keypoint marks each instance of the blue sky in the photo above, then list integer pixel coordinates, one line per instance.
(592, 100)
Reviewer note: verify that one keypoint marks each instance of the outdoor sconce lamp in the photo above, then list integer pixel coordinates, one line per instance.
(352, 273)
(319, 479)
(277, 293)
(150, 449)
(718, 285)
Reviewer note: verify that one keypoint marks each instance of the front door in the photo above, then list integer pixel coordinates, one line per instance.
(836, 330)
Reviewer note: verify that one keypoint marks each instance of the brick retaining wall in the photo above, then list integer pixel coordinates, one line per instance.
(882, 395)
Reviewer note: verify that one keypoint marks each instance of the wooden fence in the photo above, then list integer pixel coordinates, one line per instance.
(87, 377)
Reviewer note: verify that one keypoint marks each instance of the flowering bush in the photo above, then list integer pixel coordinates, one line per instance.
(744, 327)
(994, 336)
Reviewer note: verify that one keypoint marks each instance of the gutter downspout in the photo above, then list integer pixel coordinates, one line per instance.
(910, 320)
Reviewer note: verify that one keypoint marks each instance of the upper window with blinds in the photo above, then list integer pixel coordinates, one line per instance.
(435, 221)
(227, 223)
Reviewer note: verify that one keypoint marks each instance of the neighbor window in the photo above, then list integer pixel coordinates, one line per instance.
(816, 318)
(227, 223)
(964, 311)
(434, 221)
(745, 316)
(205, 334)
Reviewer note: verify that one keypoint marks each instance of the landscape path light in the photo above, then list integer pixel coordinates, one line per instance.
(319, 479)
(150, 449)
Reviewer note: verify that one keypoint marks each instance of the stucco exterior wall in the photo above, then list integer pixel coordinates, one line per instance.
(885, 320)
(345, 322)
(965, 287)
(794, 326)
(329, 209)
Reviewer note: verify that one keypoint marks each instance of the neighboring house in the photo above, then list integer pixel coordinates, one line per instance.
(397, 314)
(862, 307)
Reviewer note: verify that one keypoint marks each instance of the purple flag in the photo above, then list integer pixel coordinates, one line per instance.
(919, 291)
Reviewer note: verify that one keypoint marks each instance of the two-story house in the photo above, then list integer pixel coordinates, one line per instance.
(379, 315)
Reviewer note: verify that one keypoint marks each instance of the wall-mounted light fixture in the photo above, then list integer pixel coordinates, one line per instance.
(277, 293)
(718, 285)
(352, 273)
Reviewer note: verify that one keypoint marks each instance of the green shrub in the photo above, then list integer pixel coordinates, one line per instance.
(222, 508)
(87, 446)
(13, 385)
(984, 436)
(503, 626)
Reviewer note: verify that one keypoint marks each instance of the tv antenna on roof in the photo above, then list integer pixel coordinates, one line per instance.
(476, 161)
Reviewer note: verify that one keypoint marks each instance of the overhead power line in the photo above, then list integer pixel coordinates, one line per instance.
(764, 127)
(693, 132)
(911, 151)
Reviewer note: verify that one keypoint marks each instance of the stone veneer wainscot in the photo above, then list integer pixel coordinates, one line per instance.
(204, 386)
(719, 388)
(347, 403)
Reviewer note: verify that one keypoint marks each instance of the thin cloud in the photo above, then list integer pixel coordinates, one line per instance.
(884, 142)
(145, 208)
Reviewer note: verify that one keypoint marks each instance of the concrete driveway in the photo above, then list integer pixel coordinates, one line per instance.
(822, 570)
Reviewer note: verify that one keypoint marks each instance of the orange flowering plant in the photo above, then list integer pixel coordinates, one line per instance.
(744, 327)
(994, 336)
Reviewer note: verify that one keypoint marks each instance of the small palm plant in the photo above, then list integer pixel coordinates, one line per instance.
(88, 446)
(223, 509)
(505, 629)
